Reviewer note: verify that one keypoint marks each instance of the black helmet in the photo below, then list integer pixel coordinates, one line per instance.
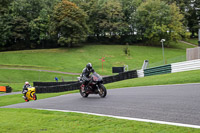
(89, 66)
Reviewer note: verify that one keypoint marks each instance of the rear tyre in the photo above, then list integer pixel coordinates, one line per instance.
(102, 91)
(83, 94)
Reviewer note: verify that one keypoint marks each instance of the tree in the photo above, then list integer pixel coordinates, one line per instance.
(193, 17)
(69, 24)
(40, 29)
(156, 20)
(19, 28)
(92, 8)
(191, 11)
(4, 4)
(129, 7)
(111, 19)
(5, 18)
(29, 9)
(176, 29)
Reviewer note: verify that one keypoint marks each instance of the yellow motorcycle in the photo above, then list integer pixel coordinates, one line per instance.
(30, 95)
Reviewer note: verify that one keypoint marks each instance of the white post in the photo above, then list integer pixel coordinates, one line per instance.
(162, 40)
(199, 36)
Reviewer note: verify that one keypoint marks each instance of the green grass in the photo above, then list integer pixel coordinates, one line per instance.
(17, 98)
(193, 41)
(31, 120)
(165, 79)
(75, 59)
(180, 45)
(16, 78)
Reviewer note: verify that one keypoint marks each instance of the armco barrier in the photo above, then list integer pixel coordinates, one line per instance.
(140, 73)
(57, 88)
(186, 66)
(158, 70)
(47, 87)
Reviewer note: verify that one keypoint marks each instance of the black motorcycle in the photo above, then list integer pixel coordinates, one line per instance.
(95, 86)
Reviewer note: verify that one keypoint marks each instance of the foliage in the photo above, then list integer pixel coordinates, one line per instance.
(69, 24)
(19, 28)
(112, 19)
(193, 17)
(25, 22)
(156, 20)
(176, 28)
(4, 22)
(191, 12)
(48, 23)
(127, 50)
(5, 30)
(40, 28)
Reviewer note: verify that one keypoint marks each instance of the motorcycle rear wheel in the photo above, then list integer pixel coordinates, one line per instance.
(83, 94)
(103, 91)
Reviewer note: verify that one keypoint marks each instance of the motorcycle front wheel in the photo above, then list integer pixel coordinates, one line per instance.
(34, 97)
(102, 91)
(83, 94)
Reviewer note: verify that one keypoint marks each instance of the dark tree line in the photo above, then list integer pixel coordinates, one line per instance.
(54, 23)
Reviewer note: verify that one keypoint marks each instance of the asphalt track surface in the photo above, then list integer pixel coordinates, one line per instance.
(169, 103)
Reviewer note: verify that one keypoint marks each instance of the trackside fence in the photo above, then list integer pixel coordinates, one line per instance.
(186, 66)
(171, 68)
(52, 83)
(57, 88)
(49, 87)
(157, 70)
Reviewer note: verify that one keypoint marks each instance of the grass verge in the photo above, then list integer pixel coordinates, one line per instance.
(31, 120)
(17, 98)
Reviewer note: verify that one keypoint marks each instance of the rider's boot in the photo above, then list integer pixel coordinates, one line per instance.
(24, 96)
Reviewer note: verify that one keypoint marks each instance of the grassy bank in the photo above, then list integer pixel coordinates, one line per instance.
(23, 120)
(75, 59)
(193, 41)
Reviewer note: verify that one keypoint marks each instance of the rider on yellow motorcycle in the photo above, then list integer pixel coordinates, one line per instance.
(25, 89)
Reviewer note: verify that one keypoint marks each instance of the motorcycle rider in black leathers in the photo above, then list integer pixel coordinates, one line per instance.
(25, 89)
(86, 75)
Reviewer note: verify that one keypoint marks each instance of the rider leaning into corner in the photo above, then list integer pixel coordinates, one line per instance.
(25, 88)
(86, 75)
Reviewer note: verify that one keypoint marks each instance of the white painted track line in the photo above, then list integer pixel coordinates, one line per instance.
(128, 118)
